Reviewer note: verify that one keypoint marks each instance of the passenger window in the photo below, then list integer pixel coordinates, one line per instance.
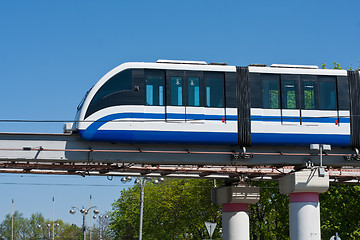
(289, 94)
(176, 91)
(309, 95)
(270, 91)
(193, 91)
(214, 86)
(327, 92)
(154, 90)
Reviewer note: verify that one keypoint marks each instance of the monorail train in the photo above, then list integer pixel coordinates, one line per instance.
(192, 102)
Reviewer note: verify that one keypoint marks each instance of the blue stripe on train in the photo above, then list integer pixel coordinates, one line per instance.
(177, 137)
(299, 139)
(260, 118)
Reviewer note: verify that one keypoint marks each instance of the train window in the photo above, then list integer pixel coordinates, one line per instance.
(309, 92)
(114, 92)
(193, 91)
(214, 85)
(154, 89)
(327, 93)
(270, 91)
(289, 91)
(176, 91)
(289, 94)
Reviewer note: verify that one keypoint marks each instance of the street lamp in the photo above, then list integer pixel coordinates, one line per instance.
(48, 225)
(84, 212)
(142, 182)
(101, 220)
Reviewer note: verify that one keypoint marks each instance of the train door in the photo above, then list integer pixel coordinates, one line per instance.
(309, 113)
(194, 110)
(155, 98)
(175, 107)
(214, 97)
(319, 106)
(269, 115)
(290, 111)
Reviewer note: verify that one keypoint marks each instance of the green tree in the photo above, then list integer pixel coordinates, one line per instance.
(20, 226)
(69, 232)
(340, 211)
(36, 227)
(269, 218)
(175, 209)
(337, 66)
(101, 229)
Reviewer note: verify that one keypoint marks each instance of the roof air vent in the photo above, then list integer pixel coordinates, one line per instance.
(220, 64)
(181, 62)
(257, 65)
(294, 66)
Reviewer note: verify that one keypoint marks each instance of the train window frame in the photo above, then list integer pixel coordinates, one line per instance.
(155, 100)
(275, 78)
(322, 92)
(214, 78)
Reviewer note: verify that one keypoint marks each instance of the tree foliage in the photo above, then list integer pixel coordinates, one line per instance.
(36, 227)
(340, 211)
(337, 66)
(178, 209)
(269, 218)
(175, 209)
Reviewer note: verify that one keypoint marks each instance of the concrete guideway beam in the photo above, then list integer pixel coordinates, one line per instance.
(71, 148)
(235, 201)
(303, 188)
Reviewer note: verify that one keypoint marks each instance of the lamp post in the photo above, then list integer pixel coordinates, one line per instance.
(142, 182)
(102, 218)
(48, 225)
(84, 212)
(12, 219)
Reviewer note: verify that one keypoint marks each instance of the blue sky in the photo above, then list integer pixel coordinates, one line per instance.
(52, 52)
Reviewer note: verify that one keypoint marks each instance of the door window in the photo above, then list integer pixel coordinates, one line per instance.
(154, 90)
(193, 91)
(176, 91)
(214, 91)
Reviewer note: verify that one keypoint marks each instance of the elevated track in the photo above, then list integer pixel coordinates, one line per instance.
(67, 154)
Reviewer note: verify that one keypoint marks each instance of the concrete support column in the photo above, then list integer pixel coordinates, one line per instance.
(303, 188)
(235, 201)
(235, 221)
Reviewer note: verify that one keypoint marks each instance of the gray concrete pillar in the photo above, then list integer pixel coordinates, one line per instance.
(303, 188)
(235, 201)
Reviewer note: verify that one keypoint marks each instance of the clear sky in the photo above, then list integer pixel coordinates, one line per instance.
(52, 52)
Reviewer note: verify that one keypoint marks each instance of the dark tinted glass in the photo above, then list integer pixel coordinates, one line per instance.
(116, 91)
(214, 86)
(176, 91)
(327, 92)
(270, 91)
(116, 84)
(343, 93)
(154, 89)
